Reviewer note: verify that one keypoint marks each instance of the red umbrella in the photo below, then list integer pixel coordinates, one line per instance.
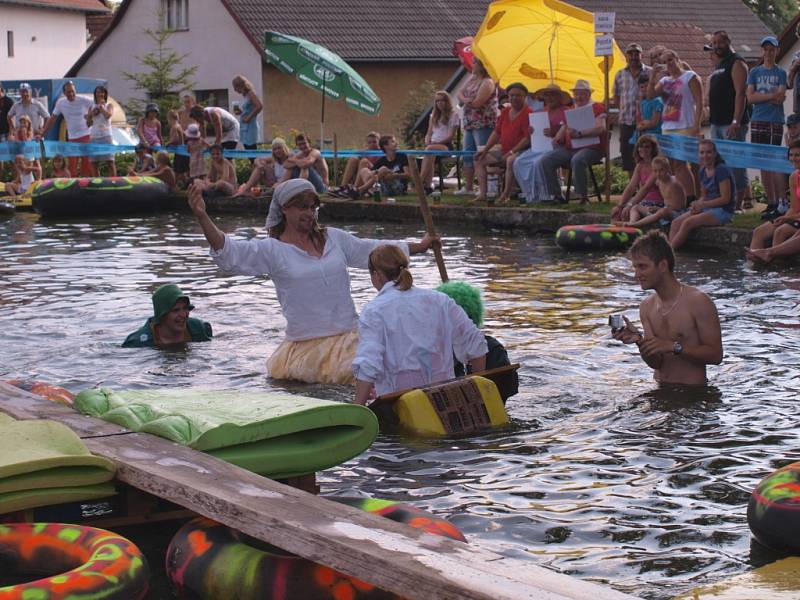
(462, 49)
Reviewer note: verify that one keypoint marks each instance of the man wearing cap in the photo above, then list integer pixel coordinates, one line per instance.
(510, 137)
(74, 109)
(170, 323)
(766, 90)
(626, 97)
(578, 159)
(27, 106)
(727, 101)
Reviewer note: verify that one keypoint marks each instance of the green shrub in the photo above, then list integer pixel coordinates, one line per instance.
(757, 191)
(619, 177)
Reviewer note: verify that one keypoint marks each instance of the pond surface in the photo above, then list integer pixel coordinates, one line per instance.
(600, 474)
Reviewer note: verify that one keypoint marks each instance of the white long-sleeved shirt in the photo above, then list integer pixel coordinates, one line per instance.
(314, 292)
(407, 339)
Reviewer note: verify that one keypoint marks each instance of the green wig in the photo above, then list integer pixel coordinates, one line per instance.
(467, 297)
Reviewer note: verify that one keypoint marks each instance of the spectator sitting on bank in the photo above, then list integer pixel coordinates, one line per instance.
(511, 137)
(196, 146)
(641, 196)
(648, 113)
(24, 175)
(170, 323)
(268, 171)
(781, 228)
(792, 129)
(308, 163)
(24, 133)
(672, 192)
(221, 174)
(163, 170)
(469, 298)
(579, 160)
(180, 163)
(442, 127)
(59, 167)
(766, 90)
(99, 120)
(351, 177)
(143, 162)
(149, 126)
(717, 200)
(390, 171)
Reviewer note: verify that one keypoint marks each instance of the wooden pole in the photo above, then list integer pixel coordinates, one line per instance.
(335, 160)
(607, 143)
(426, 214)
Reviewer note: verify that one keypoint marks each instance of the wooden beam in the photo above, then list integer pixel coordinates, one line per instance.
(390, 555)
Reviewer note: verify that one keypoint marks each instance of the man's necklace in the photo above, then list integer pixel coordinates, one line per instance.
(674, 304)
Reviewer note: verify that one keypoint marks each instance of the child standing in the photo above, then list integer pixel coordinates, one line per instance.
(99, 120)
(149, 127)
(648, 112)
(196, 146)
(176, 138)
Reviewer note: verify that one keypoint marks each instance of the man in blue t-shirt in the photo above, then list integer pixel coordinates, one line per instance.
(766, 90)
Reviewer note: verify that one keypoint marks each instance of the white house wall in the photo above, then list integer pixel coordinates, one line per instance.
(46, 42)
(214, 43)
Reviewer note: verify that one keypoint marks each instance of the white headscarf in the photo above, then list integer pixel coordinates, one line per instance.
(281, 195)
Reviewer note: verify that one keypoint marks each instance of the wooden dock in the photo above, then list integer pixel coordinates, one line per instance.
(390, 555)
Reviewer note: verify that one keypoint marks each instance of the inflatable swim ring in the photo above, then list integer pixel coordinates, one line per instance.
(86, 563)
(45, 390)
(98, 195)
(208, 560)
(773, 512)
(596, 237)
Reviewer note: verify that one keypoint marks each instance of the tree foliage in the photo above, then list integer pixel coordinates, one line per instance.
(416, 102)
(163, 75)
(776, 14)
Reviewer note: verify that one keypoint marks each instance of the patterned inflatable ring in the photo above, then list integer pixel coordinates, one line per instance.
(773, 512)
(207, 560)
(87, 562)
(596, 236)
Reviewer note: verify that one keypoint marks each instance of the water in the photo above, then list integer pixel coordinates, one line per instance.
(599, 475)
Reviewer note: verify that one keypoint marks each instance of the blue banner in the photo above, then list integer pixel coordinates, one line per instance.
(736, 154)
(8, 150)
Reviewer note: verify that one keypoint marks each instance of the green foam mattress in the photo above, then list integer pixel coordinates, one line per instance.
(273, 434)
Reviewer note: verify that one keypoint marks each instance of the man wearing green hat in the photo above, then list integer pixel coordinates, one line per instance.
(170, 323)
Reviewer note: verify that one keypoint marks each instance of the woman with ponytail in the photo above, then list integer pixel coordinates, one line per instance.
(407, 336)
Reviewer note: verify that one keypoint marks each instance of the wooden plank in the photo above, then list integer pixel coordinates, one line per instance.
(389, 555)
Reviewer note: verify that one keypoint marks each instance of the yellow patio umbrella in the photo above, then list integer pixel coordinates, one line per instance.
(537, 42)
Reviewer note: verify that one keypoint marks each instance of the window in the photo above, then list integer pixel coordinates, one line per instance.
(176, 14)
(10, 43)
(212, 98)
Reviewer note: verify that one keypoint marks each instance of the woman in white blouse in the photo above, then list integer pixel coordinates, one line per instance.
(309, 266)
(407, 336)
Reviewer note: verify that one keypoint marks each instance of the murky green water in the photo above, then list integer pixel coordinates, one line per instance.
(598, 476)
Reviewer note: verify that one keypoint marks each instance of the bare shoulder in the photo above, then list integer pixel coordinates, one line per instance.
(698, 299)
(648, 304)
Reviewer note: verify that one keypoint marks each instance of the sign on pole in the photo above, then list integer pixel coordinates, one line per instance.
(604, 45)
(604, 22)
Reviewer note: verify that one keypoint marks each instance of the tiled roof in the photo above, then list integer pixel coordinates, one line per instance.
(687, 40)
(425, 29)
(89, 6)
(97, 23)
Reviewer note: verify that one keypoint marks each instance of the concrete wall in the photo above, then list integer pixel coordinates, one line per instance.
(289, 105)
(214, 43)
(46, 42)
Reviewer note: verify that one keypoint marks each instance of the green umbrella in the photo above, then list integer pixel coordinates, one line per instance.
(320, 69)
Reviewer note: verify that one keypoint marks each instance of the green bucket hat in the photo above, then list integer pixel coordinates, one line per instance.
(164, 298)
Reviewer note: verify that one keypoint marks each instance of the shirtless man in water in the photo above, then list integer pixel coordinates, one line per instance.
(681, 326)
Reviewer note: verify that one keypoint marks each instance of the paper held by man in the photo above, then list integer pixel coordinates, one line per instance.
(581, 119)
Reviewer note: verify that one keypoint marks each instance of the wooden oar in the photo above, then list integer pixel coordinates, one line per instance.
(493, 374)
(426, 214)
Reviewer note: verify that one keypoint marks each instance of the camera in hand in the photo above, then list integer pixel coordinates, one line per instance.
(615, 322)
